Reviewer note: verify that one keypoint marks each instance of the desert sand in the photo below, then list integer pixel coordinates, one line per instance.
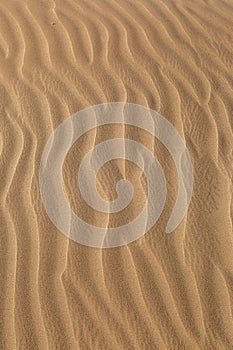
(161, 291)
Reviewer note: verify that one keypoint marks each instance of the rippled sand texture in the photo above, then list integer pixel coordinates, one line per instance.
(162, 291)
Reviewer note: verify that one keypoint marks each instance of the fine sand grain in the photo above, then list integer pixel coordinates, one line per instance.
(162, 291)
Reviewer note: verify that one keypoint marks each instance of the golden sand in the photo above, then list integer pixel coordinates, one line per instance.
(162, 291)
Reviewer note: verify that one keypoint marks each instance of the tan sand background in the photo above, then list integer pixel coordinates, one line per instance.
(162, 291)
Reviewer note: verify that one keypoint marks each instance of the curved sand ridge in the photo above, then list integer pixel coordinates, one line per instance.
(161, 291)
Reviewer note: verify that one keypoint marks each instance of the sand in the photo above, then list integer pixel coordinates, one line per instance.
(161, 291)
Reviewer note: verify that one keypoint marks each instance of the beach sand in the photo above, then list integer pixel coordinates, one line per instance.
(161, 291)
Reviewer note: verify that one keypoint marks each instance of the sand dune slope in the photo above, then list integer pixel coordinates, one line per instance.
(161, 291)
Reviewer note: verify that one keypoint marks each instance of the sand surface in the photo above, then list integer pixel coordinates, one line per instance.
(162, 291)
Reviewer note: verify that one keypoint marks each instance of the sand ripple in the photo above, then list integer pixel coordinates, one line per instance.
(162, 291)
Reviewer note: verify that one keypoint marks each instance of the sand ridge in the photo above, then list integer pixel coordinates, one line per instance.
(162, 291)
